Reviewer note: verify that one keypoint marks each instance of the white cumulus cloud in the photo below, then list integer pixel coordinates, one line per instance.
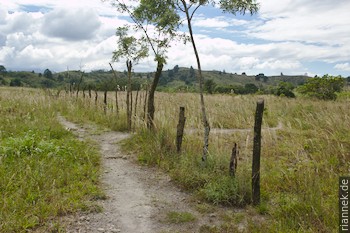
(77, 24)
(343, 66)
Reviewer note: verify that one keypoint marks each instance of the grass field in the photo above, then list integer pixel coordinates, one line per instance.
(45, 171)
(301, 161)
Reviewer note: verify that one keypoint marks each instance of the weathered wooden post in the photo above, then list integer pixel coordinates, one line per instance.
(233, 160)
(256, 152)
(180, 129)
(135, 109)
(96, 97)
(105, 101)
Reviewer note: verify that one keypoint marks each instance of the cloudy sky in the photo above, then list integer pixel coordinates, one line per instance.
(289, 36)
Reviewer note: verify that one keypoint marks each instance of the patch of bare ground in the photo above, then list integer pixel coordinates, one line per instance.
(138, 199)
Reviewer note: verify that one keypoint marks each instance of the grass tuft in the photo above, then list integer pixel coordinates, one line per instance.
(179, 217)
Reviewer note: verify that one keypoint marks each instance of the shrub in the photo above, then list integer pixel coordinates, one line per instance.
(324, 88)
(284, 89)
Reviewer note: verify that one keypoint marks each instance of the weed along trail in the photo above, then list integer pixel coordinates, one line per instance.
(138, 199)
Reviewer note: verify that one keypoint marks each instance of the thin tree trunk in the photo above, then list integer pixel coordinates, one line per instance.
(128, 96)
(145, 104)
(150, 108)
(204, 115)
(116, 89)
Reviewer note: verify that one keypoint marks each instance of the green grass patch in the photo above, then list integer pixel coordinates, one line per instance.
(179, 217)
(45, 171)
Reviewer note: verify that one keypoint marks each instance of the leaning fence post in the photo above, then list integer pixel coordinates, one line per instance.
(256, 152)
(180, 129)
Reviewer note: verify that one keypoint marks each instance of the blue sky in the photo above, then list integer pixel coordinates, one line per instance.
(288, 36)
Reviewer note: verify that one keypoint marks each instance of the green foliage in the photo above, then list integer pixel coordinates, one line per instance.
(3, 82)
(16, 82)
(48, 74)
(160, 13)
(2, 69)
(209, 86)
(226, 191)
(47, 83)
(180, 217)
(129, 47)
(249, 88)
(261, 76)
(324, 88)
(285, 89)
(176, 69)
(239, 6)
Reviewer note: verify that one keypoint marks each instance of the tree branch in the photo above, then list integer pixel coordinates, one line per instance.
(138, 23)
(194, 11)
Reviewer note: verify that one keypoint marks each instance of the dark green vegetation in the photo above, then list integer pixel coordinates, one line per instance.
(45, 171)
(324, 88)
(181, 80)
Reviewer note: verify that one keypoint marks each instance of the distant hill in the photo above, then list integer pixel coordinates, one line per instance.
(186, 76)
(178, 78)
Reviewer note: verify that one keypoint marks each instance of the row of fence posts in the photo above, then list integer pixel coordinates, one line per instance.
(233, 161)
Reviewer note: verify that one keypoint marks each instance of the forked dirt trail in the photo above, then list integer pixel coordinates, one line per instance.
(138, 198)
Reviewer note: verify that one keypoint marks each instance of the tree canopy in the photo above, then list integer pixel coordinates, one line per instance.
(129, 47)
(2, 69)
(48, 74)
(324, 88)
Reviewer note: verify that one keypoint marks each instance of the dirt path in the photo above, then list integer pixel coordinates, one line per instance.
(139, 199)
(230, 131)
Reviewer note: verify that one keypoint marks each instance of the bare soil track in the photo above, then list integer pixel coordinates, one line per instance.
(138, 198)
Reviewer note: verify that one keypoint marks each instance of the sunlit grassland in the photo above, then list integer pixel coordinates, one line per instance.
(45, 172)
(301, 161)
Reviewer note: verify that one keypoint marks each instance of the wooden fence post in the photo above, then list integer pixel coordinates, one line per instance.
(256, 152)
(180, 129)
(105, 101)
(233, 160)
(96, 97)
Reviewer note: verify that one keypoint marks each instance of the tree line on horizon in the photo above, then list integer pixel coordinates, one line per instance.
(178, 79)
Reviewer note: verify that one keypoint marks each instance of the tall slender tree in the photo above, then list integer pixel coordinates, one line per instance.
(133, 50)
(158, 21)
(189, 8)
